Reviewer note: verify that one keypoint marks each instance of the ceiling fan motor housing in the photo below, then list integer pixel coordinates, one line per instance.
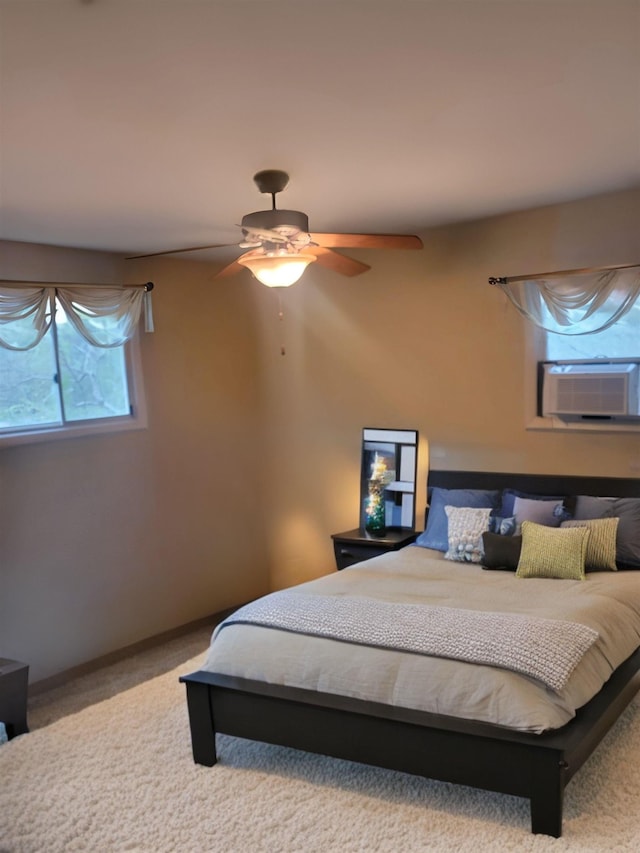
(273, 219)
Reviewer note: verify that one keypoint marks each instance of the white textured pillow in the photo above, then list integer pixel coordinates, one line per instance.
(466, 526)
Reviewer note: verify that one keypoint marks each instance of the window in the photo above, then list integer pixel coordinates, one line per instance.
(622, 340)
(65, 386)
(577, 315)
(619, 342)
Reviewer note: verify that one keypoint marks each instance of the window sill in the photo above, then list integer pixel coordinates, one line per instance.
(538, 424)
(81, 430)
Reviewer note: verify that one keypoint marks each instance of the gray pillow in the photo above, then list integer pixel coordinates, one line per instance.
(628, 541)
(588, 507)
(541, 512)
(509, 496)
(628, 511)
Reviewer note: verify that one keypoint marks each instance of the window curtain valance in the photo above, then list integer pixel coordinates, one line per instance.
(574, 302)
(105, 315)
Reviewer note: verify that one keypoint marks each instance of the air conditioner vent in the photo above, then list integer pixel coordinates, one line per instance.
(581, 391)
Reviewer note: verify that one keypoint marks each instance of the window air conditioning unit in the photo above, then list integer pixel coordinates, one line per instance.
(591, 391)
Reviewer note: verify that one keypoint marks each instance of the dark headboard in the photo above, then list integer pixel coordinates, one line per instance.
(541, 484)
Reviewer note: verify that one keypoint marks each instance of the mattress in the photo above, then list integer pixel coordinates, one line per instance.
(607, 602)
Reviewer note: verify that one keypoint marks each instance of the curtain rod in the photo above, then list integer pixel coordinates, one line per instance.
(18, 282)
(557, 273)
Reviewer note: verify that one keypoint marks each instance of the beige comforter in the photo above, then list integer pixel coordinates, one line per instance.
(608, 602)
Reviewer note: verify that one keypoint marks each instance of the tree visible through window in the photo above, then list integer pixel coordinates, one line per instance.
(63, 380)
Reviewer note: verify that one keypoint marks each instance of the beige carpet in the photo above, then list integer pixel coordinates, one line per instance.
(107, 768)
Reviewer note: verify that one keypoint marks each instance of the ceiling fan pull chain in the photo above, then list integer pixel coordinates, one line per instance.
(281, 320)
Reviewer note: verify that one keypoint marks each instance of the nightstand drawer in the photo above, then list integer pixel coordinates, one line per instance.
(354, 546)
(347, 555)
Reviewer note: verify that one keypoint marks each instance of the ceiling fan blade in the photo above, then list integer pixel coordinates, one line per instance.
(231, 269)
(367, 241)
(178, 251)
(336, 262)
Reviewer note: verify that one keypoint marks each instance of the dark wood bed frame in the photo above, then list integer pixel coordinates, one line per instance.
(482, 755)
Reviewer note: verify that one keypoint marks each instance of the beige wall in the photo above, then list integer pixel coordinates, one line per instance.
(423, 342)
(111, 539)
(252, 459)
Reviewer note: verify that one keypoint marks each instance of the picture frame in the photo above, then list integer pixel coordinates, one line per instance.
(388, 480)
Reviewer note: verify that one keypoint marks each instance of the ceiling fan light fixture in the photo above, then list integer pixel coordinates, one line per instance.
(277, 269)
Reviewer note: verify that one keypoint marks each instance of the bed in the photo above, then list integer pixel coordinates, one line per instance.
(515, 732)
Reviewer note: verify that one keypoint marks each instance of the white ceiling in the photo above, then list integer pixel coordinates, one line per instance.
(137, 125)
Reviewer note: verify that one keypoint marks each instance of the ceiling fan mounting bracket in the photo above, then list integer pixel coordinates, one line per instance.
(271, 181)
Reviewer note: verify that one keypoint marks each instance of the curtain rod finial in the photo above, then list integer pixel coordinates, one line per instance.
(148, 286)
(498, 279)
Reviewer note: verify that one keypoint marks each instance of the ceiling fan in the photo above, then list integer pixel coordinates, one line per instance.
(280, 245)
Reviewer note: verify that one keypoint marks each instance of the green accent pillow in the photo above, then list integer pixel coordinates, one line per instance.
(552, 552)
(601, 545)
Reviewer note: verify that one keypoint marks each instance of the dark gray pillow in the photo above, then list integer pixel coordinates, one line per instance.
(501, 552)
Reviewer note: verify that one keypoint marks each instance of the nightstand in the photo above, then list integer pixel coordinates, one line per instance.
(354, 546)
(13, 696)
